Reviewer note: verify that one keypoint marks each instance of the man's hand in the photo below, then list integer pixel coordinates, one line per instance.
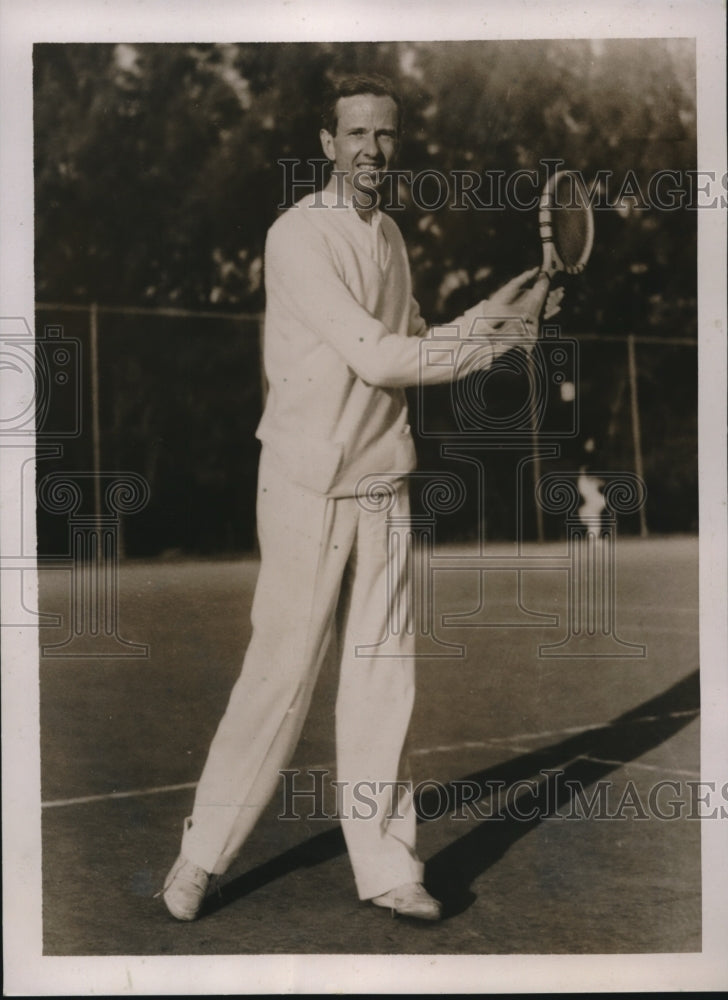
(509, 292)
(516, 294)
(513, 312)
(553, 303)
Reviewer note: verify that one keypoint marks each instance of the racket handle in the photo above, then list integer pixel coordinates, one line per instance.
(535, 298)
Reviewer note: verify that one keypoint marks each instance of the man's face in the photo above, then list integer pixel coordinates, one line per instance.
(366, 140)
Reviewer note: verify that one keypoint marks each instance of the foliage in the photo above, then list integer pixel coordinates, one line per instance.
(157, 175)
(158, 170)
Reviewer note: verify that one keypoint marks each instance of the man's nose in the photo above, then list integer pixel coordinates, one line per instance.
(371, 146)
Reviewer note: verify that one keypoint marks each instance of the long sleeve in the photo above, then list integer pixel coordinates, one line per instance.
(303, 278)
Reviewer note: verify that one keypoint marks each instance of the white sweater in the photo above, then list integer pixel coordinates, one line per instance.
(343, 336)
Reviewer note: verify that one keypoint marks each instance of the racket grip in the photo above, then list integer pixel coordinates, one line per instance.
(535, 298)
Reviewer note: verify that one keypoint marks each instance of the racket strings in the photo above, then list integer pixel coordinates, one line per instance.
(570, 223)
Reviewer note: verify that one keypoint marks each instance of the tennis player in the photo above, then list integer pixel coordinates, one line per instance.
(343, 338)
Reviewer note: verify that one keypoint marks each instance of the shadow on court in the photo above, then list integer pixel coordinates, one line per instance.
(123, 742)
(578, 762)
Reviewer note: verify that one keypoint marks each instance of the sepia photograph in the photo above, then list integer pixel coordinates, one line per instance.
(363, 483)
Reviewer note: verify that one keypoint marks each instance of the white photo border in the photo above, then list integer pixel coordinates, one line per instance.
(26, 22)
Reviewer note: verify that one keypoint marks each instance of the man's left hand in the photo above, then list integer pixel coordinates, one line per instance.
(553, 303)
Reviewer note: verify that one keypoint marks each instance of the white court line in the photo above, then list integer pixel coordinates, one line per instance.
(643, 767)
(575, 730)
(83, 799)
(496, 742)
(620, 763)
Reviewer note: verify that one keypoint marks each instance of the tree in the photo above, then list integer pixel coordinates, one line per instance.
(159, 169)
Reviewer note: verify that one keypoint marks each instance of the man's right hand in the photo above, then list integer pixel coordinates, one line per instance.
(523, 300)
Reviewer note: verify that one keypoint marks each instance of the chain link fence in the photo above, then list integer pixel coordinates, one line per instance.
(174, 396)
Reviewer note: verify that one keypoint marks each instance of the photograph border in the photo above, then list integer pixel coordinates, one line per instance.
(27, 971)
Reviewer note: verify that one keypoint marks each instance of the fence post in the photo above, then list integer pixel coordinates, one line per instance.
(536, 464)
(636, 428)
(93, 558)
(95, 426)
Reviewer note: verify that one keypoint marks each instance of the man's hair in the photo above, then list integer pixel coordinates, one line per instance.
(351, 86)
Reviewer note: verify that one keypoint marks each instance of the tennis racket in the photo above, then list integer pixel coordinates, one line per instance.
(566, 226)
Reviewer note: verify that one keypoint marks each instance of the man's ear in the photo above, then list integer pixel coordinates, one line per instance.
(327, 144)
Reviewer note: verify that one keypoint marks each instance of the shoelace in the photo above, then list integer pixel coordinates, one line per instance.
(198, 877)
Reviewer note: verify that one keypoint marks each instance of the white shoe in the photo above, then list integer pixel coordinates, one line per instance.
(410, 900)
(185, 888)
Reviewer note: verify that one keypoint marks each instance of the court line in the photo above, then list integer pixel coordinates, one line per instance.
(571, 730)
(511, 742)
(655, 768)
(106, 796)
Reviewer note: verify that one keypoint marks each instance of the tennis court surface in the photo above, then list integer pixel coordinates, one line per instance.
(558, 814)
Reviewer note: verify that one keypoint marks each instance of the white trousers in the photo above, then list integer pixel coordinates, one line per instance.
(324, 571)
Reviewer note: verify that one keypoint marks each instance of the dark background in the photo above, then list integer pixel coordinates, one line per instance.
(157, 177)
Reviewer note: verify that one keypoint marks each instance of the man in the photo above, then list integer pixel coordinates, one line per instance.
(343, 337)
